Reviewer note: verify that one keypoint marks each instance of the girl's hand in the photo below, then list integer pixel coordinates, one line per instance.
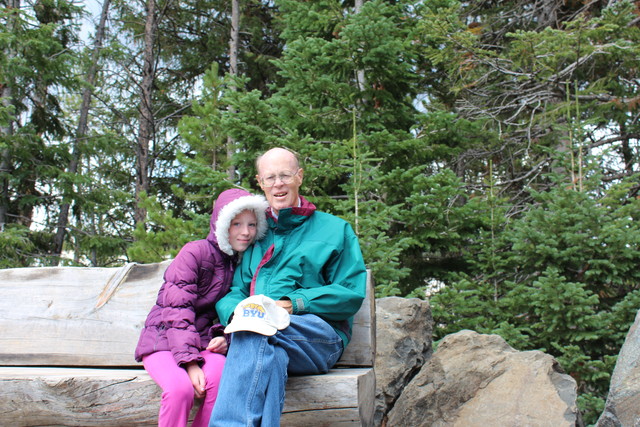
(197, 378)
(218, 345)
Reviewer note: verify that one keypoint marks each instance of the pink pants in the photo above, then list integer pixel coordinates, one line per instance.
(177, 391)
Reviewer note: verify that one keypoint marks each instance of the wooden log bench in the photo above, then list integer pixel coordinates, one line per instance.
(67, 337)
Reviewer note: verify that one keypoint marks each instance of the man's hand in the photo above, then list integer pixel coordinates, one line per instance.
(197, 378)
(218, 345)
(286, 304)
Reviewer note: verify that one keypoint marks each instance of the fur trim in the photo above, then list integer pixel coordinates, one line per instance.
(257, 204)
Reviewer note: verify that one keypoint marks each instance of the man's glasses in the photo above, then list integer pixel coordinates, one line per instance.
(284, 177)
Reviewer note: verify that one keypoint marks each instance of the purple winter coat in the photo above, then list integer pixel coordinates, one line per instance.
(184, 319)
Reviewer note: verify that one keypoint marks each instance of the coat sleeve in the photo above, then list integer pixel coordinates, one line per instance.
(345, 289)
(178, 313)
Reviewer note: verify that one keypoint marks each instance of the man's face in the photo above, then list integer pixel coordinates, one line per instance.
(278, 166)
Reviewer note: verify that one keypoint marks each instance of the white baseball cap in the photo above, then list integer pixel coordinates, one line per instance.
(260, 314)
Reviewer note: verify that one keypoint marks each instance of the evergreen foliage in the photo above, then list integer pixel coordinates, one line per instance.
(558, 279)
(485, 153)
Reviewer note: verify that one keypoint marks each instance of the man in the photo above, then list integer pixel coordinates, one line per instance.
(310, 263)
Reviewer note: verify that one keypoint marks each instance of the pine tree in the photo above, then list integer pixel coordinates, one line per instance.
(35, 69)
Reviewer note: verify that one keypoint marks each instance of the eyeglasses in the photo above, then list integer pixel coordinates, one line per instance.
(285, 177)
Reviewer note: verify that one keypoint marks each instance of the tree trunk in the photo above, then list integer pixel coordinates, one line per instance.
(7, 131)
(626, 150)
(5, 162)
(360, 77)
(81, 130)
(233, 70)
(146, 125)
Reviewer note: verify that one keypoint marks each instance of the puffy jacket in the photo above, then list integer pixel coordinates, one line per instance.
(311, 258)
(184, 319)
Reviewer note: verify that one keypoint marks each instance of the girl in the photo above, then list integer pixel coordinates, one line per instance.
(182, 345)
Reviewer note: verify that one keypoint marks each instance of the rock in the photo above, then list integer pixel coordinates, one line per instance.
(479, 380)
(623, 401)
(403, 343)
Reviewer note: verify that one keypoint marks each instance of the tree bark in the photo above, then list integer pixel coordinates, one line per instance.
(360, 77)
(146, 118)
(7, 131)
(81, 130)
(5, 163)
(233, 71)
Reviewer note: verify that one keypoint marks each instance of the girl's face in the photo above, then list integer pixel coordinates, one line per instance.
(243, 230)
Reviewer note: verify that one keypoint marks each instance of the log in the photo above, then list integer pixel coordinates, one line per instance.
(341, 397)
(77, 316)
(120, 397)
(31, 396)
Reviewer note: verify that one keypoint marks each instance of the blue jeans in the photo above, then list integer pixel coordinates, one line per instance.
(251, 390)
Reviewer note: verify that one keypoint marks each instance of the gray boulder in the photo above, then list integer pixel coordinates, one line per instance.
(623, 402)
(479, 380)
(403, 344)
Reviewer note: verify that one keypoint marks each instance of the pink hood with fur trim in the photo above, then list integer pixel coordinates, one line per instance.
(229, 204)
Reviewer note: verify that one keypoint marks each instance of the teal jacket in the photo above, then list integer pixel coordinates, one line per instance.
(309, 257)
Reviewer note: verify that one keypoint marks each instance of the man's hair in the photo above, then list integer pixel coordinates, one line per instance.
(295, 156)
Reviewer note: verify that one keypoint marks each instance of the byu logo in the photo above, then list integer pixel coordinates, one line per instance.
(253, 310)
